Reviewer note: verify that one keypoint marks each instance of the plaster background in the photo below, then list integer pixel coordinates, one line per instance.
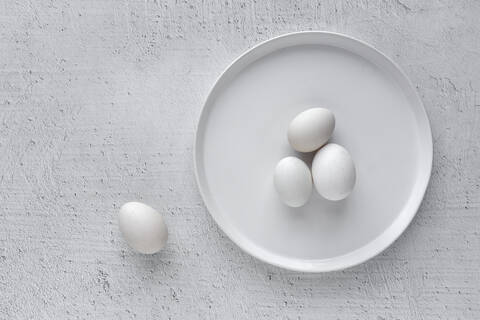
(98, 106)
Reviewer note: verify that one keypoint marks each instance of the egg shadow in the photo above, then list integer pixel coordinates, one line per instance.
(306, 157)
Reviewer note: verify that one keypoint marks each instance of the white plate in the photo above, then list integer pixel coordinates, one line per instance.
(241, 136)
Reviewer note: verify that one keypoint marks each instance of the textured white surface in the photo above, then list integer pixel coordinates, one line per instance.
(99, 101)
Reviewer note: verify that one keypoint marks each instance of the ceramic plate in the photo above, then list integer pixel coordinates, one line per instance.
(242, 134)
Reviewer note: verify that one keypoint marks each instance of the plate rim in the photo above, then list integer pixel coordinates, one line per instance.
(360, 255)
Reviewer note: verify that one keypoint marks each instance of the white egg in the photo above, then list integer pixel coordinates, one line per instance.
(333, 172)
(143, 227)
(293, 181)
(311, 129)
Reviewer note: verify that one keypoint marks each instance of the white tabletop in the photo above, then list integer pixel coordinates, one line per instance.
(98, 105)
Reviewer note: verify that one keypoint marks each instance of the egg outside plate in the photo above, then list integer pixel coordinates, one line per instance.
(242, 134)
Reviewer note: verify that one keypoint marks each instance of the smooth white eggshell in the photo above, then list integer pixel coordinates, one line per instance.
(333, 172)
(143, 227)
(311, 129)
(293, 181)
